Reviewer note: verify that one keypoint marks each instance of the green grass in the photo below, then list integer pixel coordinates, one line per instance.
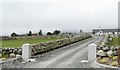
(115, 42)
(19, 42)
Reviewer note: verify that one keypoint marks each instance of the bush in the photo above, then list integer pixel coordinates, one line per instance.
(103, 61)
(114, 57)
(115, 63)
(3, 59)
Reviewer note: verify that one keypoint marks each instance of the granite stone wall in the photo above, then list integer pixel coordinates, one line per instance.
(51, 45)
(41, 47)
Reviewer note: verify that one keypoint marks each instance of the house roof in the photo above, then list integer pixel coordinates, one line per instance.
(106, 30)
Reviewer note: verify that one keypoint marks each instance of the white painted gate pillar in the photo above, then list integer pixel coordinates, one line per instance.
(92, 52)
(26, 52)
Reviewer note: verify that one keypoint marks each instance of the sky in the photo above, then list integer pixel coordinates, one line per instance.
(22, 16)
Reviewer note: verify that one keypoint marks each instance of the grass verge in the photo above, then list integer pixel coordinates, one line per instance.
(18, 42)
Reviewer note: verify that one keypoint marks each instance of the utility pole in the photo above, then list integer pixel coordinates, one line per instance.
(118, 33)
(119, 56)
(100, 31)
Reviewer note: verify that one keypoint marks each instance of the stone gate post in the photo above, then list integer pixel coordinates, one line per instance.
(92, 52)
(26, 52)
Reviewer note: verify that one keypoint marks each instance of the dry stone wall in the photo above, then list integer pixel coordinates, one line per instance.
(51, 45)
(107, 54)
(41, 47)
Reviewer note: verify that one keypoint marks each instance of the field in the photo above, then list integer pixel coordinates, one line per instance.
(115, 42)
(19, 42)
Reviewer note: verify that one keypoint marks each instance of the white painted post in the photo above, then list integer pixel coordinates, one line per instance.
(92, 52)
(26, 52)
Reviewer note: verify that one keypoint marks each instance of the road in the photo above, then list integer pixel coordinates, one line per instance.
(65, 57)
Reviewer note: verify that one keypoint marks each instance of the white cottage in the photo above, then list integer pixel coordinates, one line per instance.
(106, 31)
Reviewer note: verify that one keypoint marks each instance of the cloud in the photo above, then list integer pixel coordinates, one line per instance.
(24, 15)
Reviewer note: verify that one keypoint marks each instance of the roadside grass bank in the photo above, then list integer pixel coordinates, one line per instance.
(42, 47)
(114, 42)
(17, 43)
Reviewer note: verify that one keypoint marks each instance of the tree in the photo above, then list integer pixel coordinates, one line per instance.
(49, 33)
(80, 31)
(30, 33)
(14, 35)
(40, 32)
(56, 32)
(93, 32)
(113, 32)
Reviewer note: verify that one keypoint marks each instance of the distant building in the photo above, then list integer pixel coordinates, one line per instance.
(106, 31)
(34, 34)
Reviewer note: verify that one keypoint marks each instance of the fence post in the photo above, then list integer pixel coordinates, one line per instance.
(119, 56)
(26, 52)
(92, 52)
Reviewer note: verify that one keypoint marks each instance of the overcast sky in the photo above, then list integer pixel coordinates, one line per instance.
(21, 16)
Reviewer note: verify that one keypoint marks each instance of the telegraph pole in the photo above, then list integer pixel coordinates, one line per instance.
(118, 33)
(119, 56)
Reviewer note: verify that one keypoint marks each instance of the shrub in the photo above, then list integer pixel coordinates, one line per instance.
(115, 63)
(3, 59)
(103, 61)
(114, 57)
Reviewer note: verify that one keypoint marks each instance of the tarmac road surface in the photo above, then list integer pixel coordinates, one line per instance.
(65, 57)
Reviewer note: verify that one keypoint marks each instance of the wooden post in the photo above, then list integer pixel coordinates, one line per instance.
(119, 56)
